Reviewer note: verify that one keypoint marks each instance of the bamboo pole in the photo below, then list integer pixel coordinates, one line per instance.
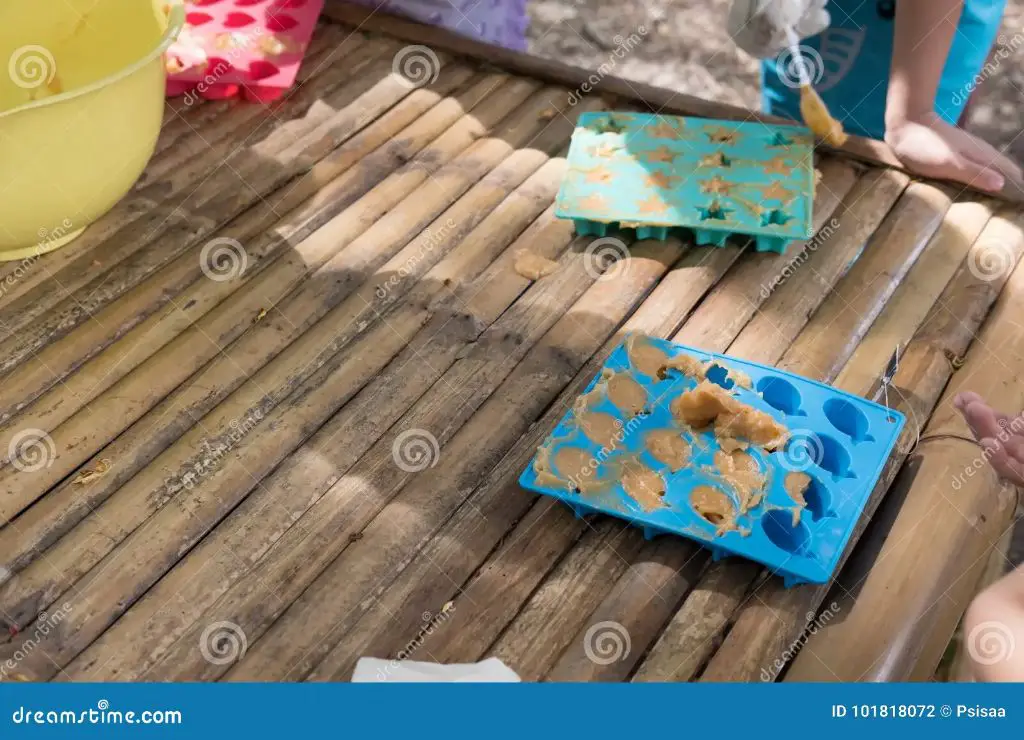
(945, 512)
(339, 376)
(754, 644)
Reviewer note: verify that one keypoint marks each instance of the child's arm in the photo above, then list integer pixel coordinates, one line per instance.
(993, 627)
(924, 142)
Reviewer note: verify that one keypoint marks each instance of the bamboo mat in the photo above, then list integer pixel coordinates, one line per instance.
(283, 391)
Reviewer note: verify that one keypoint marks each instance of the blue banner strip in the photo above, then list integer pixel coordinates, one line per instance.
(227, 711)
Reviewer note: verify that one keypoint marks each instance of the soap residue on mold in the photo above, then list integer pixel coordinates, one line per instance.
(796, 485)
(601, 428)
(533, 266)
(700, 406)
(754, 425)
(626, 394)
(645, 356)
(668, 447)
(740, 470)
(740, 378)
(572, 469)
(643, 485)
(715, 507)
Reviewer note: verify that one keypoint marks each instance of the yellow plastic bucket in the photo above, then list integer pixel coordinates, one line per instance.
(81, 102)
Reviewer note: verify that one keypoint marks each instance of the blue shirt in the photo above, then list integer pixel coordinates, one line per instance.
(850, 62)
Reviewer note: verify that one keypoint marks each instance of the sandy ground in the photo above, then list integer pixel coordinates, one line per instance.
(686, 48)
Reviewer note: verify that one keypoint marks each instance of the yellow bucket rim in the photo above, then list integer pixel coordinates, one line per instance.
(175, 22)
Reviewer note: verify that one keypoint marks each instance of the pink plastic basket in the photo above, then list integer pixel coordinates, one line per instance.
(247, 48)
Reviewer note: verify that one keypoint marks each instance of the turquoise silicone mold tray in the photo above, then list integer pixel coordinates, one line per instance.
(841, 441)
(652, 173)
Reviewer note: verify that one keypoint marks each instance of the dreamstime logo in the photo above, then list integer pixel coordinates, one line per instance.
(623, 46)
(1007, 429)
(427, 244)
(40, 629)
(31, 450)
(990, 260)
(32, 66)
(793, 69)
(605, 258)
(222, 259)
(990, 643)
(772, 672)
(823, 235)
(803, 450)
(606, 642)
(1003, 48)
(223, 643)
(416, 65)
(414, 450)
(430, 623)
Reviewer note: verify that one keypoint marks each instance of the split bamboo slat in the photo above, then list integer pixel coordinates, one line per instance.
(225, 449)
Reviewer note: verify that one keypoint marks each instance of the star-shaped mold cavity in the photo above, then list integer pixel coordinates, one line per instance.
(716, 186)
(652, 204)
(777, 166)
(598, 175)
(661, 155)
(660, 180)
(663, 129)
(715, 160)
(593, 203)
(774, 217)
(714, 212)
(723, 136)
(608, 125)
(775, 191)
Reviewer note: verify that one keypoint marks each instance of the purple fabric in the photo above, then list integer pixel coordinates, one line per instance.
(499, 22)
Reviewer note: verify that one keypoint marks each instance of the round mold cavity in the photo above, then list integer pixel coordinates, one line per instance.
(781, 395)
(280, 22)
(819, 500)
(219, 66)
(848, 419)
(720, 376)
(778, 527)
(833, 457)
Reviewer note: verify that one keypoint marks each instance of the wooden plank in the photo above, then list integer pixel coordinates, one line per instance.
(656, 99)
(913, 299)
(754, 644)
(643, 626)
(426, 108)
(84, 436)
(697, 326)
(246, 175)
(291, 646)
(336, 376)
(145, 203)
(148, 629)
(947, 484)
(396, 620)
(839, 324)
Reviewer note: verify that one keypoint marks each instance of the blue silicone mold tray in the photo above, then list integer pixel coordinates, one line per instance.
(652, 173)
(841, 441)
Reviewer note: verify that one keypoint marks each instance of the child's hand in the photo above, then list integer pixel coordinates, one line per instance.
(1001, 435)
(934, 148)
